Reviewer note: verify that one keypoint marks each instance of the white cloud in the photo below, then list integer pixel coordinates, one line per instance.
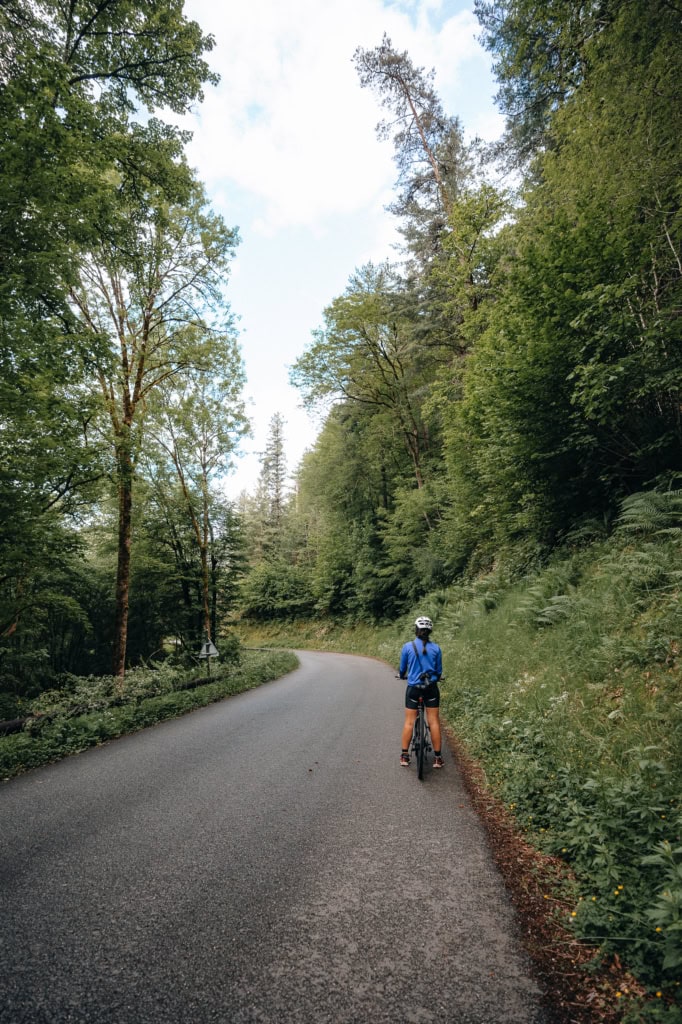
(289, 121)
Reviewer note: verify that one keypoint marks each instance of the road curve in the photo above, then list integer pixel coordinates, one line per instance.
(261, 860)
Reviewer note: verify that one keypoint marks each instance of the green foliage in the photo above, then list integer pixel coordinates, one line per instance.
(345, 487)
(268, 514)
(72, 77)
(412, 545)
(540, 59)
(273, 482)
(368, 355)
(57, 606)
(658, 512)
(276, 589)
(546, 333)
(666, 914)
(166, 596)
(569, 398)
(91, 711)
(558, 690)
(81, 177)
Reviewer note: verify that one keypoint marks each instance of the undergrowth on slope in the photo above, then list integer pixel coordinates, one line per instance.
(567, 688)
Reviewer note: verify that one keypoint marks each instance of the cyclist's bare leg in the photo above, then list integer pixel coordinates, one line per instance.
(434, 727)
(410, 716)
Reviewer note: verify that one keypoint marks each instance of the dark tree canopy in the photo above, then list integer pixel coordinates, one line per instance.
(541, 52)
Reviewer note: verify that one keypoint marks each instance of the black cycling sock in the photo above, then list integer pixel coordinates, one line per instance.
(404, 750)
(436, 753)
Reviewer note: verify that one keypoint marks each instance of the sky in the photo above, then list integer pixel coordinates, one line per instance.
(287, 149)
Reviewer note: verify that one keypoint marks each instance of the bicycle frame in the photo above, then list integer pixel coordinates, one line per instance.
(421, 737)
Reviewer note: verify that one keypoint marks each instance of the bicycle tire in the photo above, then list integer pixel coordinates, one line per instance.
(415, 739)
(421, 745)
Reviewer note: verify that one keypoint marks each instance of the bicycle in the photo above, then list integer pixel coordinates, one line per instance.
(421, 736)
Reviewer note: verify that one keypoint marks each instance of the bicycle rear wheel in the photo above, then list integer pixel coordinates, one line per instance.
(419, 744)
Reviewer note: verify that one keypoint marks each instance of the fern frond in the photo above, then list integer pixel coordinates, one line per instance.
(651, 512)
(588, 530)
(559, 608)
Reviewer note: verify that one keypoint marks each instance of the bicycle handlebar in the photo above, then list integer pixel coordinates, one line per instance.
(424, 680)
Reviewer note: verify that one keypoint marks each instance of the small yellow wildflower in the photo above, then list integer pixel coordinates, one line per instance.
(659, 929)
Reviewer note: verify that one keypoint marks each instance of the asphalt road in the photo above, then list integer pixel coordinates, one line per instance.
(262, 860)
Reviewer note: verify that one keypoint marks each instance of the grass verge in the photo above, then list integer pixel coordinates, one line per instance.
(94, 711)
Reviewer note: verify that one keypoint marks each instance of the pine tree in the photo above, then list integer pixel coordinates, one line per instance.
(272, 484)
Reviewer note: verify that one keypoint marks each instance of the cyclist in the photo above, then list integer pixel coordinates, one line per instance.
(421, 657)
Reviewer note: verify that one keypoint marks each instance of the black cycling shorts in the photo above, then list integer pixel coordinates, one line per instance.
(430, 693)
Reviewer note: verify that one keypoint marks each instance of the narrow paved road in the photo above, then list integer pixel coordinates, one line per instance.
(261, 861)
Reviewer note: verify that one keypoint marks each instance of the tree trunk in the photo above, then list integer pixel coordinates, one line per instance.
(206, 610)
(125, 505)
(214, 585)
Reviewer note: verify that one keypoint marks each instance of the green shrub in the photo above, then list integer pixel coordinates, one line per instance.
(276, 590)
(96, 711)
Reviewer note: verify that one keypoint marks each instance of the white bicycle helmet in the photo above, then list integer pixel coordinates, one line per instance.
(422, 622)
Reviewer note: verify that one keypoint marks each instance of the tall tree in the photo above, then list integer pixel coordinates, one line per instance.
(572, 397)
(367, 354)
(71, 76)
(141, 314)
(428, 143)
(265, 511)
(346, 492)
(196, 422)
(541, 53)
(273, 479)
(167, 580)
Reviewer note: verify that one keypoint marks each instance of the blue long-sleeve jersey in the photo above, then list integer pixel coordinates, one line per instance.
(427, 658)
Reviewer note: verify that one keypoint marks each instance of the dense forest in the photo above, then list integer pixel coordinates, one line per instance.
(121, 376)
(495, 392)
(500, 390)
(501, 440)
